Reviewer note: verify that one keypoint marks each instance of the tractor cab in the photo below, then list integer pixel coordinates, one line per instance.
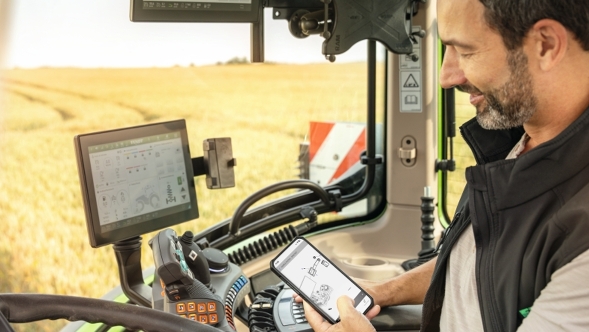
(183, 183)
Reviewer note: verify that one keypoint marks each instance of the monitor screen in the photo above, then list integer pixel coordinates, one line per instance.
(227, 11)
(135, 180)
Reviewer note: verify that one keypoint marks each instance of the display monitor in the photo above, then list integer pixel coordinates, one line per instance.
(225, 11)
(135, 180)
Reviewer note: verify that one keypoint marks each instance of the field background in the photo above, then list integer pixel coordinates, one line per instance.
(266, 109)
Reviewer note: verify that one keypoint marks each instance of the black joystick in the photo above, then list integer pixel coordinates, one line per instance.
(195, 259)
(428, 250)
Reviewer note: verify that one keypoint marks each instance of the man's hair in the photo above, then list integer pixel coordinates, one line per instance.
(513, 18)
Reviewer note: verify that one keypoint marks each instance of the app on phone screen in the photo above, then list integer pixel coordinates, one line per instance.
(317, 278)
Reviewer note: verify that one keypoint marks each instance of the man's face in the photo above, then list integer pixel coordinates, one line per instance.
(477, 62)
(511, 104)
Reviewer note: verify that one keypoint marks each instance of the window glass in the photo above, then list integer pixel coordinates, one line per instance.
(267, 109)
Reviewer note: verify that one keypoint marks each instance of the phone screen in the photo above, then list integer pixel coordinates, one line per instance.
(313, 275)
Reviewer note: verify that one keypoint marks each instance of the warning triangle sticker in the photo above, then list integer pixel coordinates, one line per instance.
(411, 82)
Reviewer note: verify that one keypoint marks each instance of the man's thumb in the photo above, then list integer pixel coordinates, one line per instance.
(345, 306)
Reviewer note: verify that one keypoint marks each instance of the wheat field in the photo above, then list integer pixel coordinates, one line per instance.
(266, 110)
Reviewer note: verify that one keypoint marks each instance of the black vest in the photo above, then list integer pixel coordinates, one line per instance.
(530, 217)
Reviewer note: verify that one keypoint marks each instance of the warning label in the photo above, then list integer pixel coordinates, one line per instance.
(410, 80)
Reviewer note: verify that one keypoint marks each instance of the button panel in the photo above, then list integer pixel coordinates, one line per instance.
(204, 311)
(230, 299)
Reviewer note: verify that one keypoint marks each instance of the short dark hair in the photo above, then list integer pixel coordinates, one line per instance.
(513, 18)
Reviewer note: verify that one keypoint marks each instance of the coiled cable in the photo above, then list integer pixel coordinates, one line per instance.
(263, 245)
(274, 240)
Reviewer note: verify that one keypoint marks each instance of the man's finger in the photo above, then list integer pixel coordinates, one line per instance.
(297, 298)
(373, 312)
(345, 305)
(352, 319)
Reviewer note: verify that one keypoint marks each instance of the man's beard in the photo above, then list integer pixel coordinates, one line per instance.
(512, 104)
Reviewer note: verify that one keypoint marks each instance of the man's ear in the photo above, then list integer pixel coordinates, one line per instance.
(550, 40)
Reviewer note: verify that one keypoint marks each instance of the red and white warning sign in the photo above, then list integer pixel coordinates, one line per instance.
(334, 148)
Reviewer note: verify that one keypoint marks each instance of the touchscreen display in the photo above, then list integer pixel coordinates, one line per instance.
(135, 180)
(318, 278)
(139, 179)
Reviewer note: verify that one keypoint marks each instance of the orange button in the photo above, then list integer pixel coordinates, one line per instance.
(191, 306)
(183, 316)
(203, 319)
(212, 306)
(213, 318)
(192, 316)
(180, 307)
(202, 307)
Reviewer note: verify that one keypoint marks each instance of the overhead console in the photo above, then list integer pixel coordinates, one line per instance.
(227, 11)
(342, 23)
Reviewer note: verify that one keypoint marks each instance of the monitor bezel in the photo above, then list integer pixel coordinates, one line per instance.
(84, 141)
(138, 14)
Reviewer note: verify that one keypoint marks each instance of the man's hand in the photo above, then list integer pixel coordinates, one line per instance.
(351, 319)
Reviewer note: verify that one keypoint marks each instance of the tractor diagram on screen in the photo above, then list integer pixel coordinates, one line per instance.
(148, 198)
(321, 295)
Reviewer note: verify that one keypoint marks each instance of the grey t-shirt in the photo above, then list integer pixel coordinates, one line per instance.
(563, 305)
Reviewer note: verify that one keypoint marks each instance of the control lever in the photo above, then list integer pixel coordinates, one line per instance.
(428, 250)
(184, 294)
(195, 259)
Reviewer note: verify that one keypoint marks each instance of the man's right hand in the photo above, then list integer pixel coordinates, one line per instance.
(351, 319)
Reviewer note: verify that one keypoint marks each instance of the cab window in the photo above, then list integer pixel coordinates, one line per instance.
(287, 120)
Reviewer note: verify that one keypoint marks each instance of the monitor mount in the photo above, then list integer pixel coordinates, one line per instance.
(343, 23)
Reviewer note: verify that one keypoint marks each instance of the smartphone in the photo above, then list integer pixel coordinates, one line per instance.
(317, 280)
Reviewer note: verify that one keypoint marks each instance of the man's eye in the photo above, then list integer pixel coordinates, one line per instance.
(465, 55)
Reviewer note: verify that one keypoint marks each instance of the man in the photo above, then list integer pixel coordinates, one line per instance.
(517, 254)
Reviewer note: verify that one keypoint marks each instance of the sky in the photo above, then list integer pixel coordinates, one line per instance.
(98, 33)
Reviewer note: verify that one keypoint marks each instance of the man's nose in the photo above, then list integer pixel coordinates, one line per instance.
(450, 73)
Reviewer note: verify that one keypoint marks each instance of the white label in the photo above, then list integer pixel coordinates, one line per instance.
(410, 79)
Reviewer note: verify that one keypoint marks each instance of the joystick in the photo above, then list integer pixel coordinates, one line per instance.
(195, 259)
(428, 250)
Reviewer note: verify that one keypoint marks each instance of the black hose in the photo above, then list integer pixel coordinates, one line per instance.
(235, 222)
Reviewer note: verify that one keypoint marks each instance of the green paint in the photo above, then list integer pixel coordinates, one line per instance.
(441, 141)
